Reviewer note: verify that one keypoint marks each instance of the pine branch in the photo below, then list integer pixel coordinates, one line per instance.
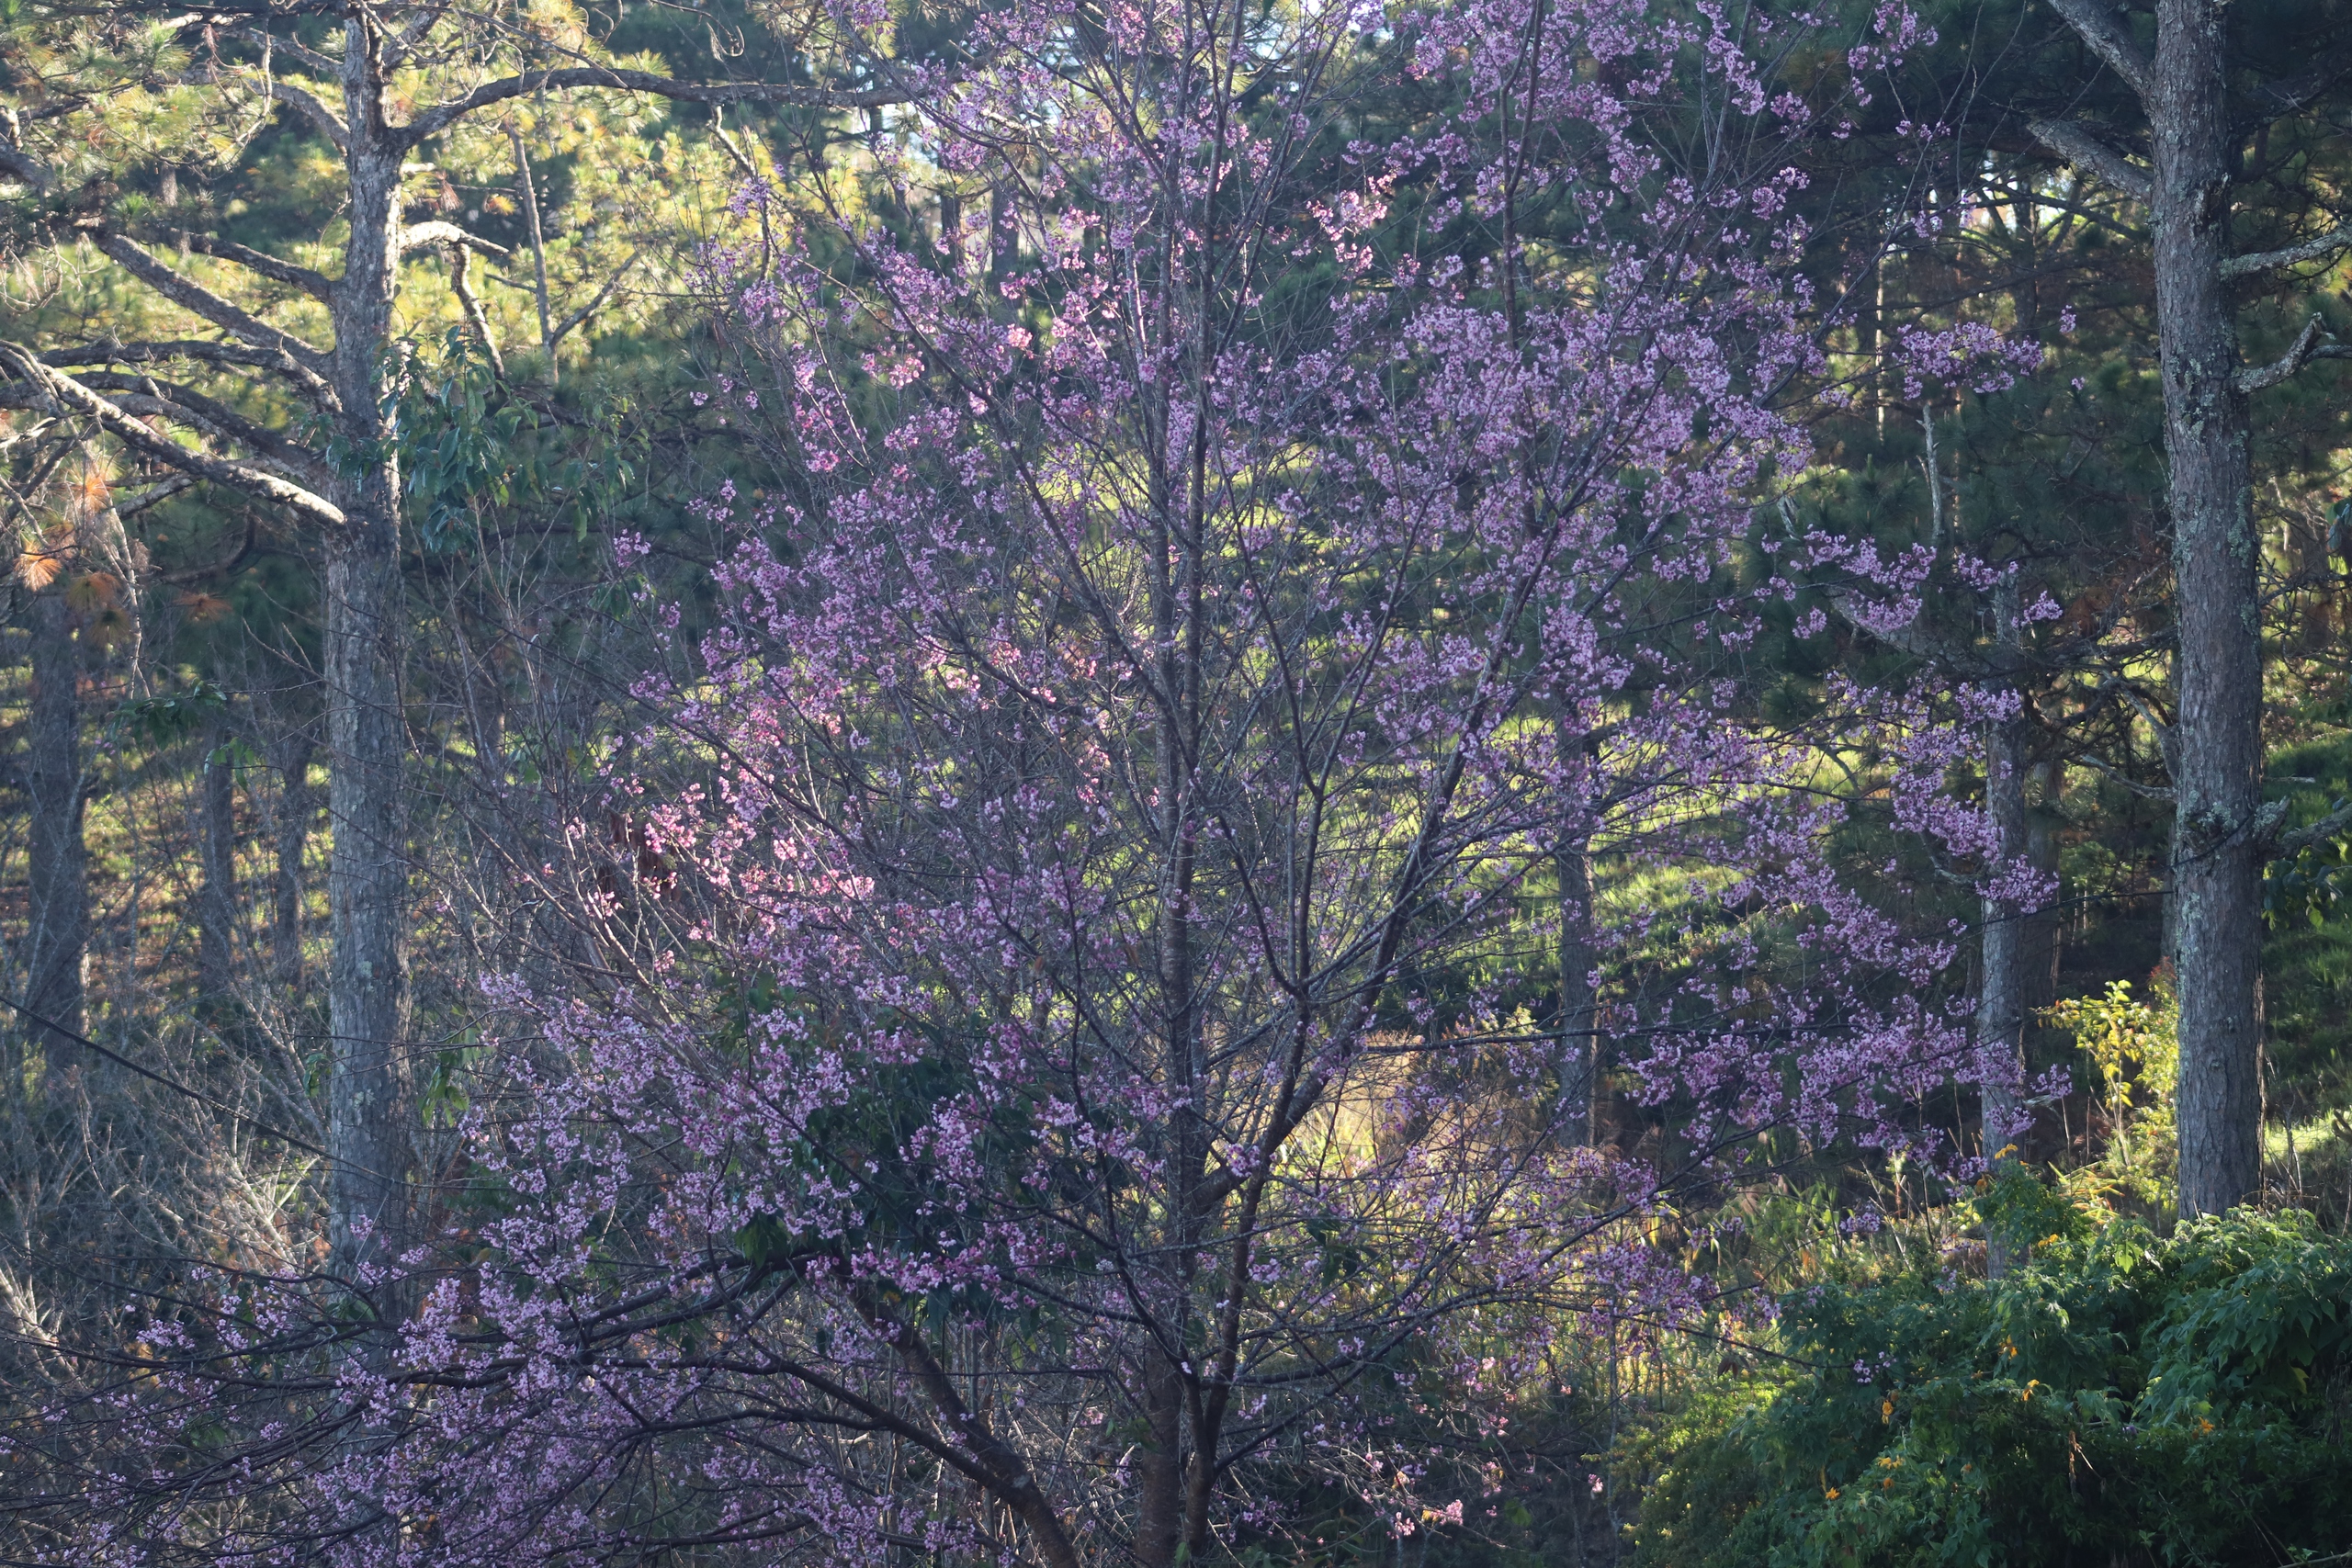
(2254, 378)
(108, 351)
(185, 292)
(145, 396)
(317, 285)
(58, 389)
(417, 236)
(2074, 143)
(434, 120)
(2323, 245)
(329, 123)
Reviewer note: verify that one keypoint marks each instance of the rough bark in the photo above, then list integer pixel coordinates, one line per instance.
(2217, 854)
(367, 981)
(368, 978)
(2214, 896)
(1159, 1466)
(58, 924)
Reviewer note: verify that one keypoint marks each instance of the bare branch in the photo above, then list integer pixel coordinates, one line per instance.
(440, 117)
(2318, 832)
(108, 352)
(538, 246)
(124, 427)
(2167, 738)
(1904, 639)
(163, 490)
(2324, 245)
(31, 171)
(317, 285)
(461, 282)
(2077, 144)
(417, 236)
(150, 403)
(149, 396)
(740, 159)
(603, 294)
(2146, 792)
(398, 48)
(318, 114)
(218, 567)
(190, 295)
(2097, 26)
(2253, 378)
(2288, 95)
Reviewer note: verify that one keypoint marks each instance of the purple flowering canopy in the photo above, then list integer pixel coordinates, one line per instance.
(1218, 605)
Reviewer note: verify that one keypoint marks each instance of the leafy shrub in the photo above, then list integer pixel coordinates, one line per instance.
(2136, 1048)
(2117, 1398)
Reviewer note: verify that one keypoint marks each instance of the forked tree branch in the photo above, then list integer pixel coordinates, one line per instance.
(65, 391)
(107, 351)
(417, 236)
(2255, 378)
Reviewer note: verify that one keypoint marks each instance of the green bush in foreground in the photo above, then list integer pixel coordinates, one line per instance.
(2118, 1398)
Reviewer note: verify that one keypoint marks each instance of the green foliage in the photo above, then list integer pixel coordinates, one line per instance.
(2116, 1398)
(471, 450)
(172, 716)
(2307, 900)
(2309, 886)
(2134, 1046)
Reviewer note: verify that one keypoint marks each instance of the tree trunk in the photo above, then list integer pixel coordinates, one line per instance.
(366, 876)
(1160, 1466)
(1579, 1013)
(2216, 853)
(217, 849)
(1164, 1517)
(367, 979)
(2000, 1000)
(58, 923)
(2043, 946)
